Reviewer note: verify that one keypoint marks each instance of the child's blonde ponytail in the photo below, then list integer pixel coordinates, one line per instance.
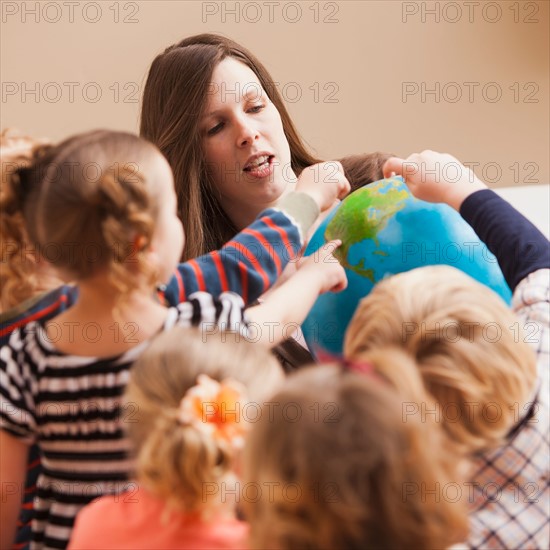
(181, 459)
(178, 462)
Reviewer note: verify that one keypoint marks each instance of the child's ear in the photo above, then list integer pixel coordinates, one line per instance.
(143, 249)
(140, 242)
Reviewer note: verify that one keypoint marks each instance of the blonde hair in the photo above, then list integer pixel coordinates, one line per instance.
(19, 279)
(174, 460)
(466, 343)
(347, 471)
(86, 202)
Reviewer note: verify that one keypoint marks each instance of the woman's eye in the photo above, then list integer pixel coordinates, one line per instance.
(256, 108)
(215, 129)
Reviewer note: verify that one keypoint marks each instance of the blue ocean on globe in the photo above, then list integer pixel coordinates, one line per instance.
(385, 230)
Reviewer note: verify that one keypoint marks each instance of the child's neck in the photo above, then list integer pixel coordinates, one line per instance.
(94, 326)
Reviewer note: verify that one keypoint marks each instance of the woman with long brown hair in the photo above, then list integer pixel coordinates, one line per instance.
(214, 111)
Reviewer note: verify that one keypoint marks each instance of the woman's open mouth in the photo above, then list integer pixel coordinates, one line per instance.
(260, 167)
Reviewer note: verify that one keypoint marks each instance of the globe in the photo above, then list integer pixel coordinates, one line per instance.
(385, 230)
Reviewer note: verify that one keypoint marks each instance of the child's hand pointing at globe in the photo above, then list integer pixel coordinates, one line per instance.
(325, 182)
(435, 177)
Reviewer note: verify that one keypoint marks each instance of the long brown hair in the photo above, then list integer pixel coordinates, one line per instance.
(174, 98)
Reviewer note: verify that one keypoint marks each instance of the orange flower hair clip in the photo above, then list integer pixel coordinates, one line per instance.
(215, 409)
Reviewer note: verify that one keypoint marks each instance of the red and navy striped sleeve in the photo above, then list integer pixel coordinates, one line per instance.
(40, 308)
(248, 264)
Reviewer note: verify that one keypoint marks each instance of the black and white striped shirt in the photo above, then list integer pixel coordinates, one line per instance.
(72, 406)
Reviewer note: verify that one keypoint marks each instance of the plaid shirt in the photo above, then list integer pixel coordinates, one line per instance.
(510, 494)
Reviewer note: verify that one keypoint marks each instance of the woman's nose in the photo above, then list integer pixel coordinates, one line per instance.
(247, 132)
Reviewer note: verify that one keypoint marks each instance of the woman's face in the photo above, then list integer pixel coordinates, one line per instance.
(247, 153)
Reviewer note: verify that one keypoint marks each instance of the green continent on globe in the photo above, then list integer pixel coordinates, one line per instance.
(361, 216)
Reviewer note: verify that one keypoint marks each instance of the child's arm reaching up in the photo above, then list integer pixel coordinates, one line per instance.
(518, 245)
(286, 307)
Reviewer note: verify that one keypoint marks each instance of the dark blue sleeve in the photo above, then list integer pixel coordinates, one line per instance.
(518, 245)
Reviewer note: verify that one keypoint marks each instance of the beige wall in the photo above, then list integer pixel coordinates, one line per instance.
(354, 72)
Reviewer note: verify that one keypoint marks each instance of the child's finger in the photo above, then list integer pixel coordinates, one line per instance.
(393, 166)
(333, 245)
(328, 249)
(345, 187)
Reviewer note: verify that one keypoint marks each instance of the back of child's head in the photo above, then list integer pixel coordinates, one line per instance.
(18, 277)
(338, 467)
(364, 168)
(187, 430)
(90, 203)
(468, 347)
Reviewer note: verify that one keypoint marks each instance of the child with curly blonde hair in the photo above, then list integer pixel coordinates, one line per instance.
(195, 399)
(22, 277)
(485, 366)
